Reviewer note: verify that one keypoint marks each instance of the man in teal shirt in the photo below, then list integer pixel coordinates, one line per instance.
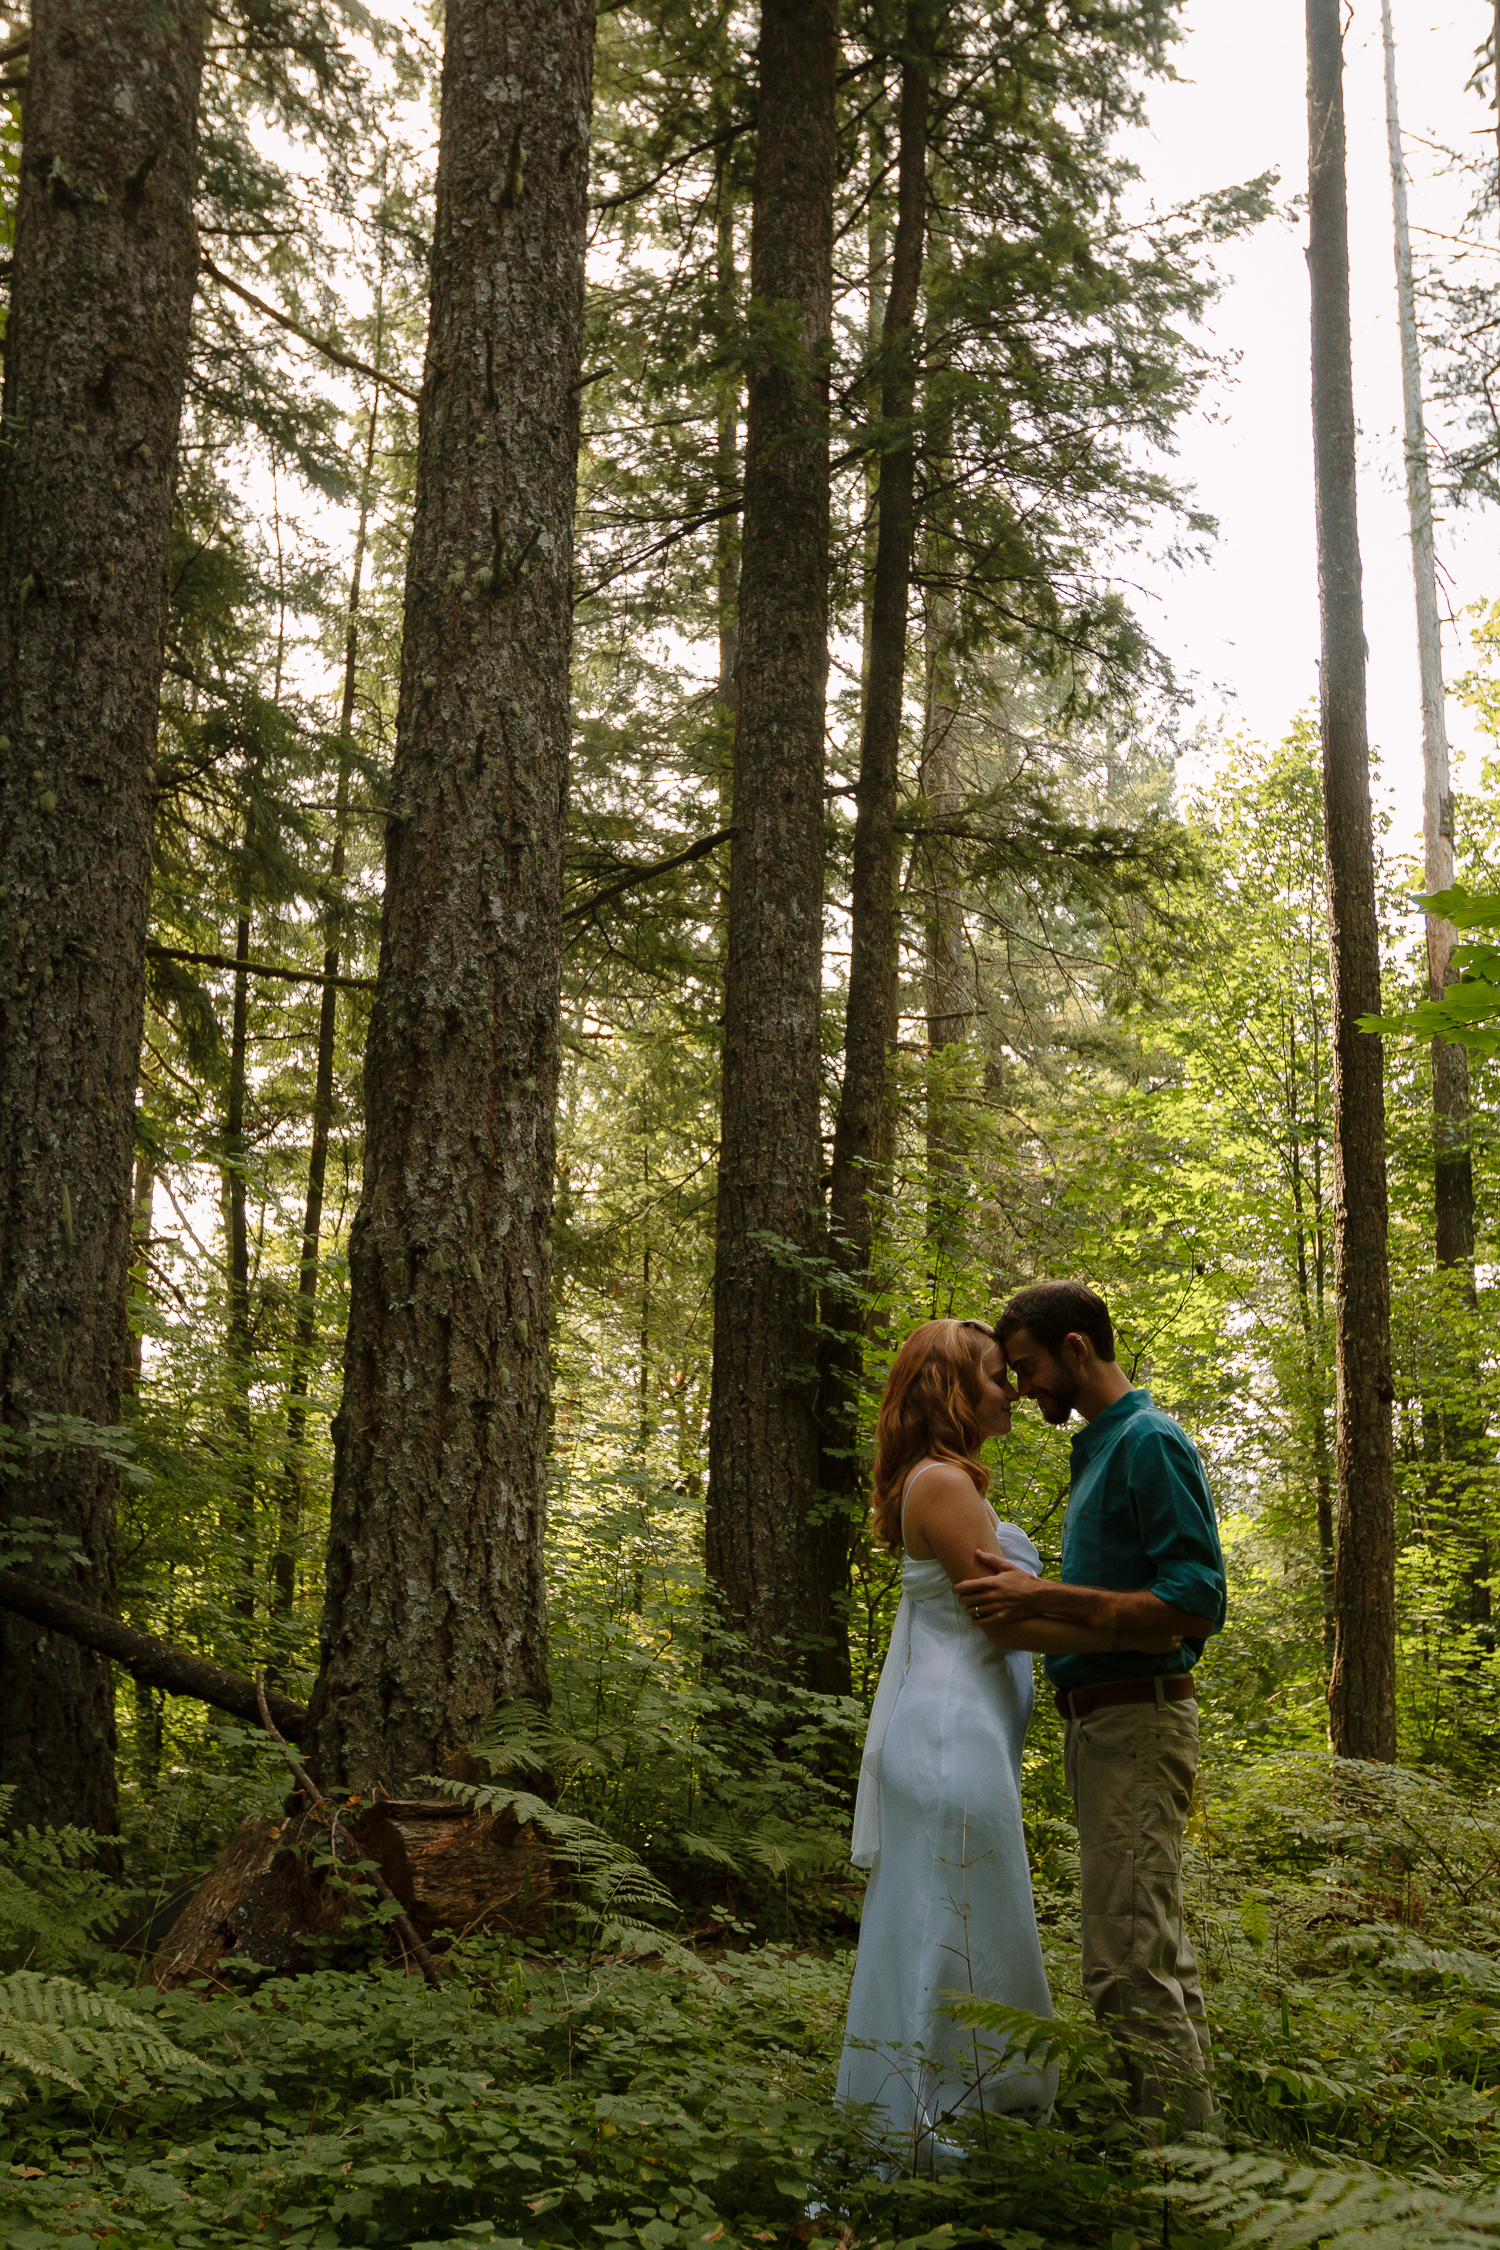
(1140, 1552)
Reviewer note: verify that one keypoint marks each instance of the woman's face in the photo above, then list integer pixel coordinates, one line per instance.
(996, 1398)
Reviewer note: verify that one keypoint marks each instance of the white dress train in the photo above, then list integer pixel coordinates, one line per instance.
(949, 1906)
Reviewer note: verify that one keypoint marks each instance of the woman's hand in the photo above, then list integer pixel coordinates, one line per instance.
(1153, 1644)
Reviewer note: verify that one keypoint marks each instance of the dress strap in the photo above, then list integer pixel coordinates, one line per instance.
(906, 1495)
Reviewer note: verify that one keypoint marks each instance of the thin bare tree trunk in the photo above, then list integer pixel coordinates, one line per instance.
(96, 351)
(292, 1496)
(237, 1234)
(946, 984)
(1461, 1434)
(1453, 1167)
(763, 1431)
(142, 1199)
(726, 468)
(435, 1605)
(864, 1093)
(1362, 1698)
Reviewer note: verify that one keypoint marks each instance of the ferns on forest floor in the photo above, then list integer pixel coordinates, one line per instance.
(52, 1890)
(1279, 2207)
(590, 2092)
(58, 2031)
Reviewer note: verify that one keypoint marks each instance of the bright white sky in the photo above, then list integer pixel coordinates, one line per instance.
(1245, 626)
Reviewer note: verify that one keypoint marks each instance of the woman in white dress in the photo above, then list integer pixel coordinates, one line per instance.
(937, 1821)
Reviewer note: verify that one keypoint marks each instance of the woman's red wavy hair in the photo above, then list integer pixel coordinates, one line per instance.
(929, 1413)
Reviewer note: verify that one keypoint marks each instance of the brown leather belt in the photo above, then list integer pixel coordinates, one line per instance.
(1173, 1686)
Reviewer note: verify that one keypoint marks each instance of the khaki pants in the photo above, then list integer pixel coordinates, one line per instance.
(1130, 1770)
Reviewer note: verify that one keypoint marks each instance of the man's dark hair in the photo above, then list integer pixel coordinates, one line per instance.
(1050, 1310)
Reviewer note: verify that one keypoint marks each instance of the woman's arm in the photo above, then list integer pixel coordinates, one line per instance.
(1047, 1637)
(946, 1519)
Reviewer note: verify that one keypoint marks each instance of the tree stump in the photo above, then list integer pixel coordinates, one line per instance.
(274, 1891)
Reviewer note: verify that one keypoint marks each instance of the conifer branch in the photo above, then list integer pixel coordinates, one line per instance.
(259, 968)
(305, 335)
(630, 882)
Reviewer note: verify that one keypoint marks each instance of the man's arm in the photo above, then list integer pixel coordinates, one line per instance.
(1012, 1598)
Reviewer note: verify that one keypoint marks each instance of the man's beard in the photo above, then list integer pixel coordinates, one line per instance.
(1059, 1406)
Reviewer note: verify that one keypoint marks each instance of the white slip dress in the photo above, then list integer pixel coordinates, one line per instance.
(949, 1907)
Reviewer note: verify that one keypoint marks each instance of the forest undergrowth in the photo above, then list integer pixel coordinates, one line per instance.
(652, 2058)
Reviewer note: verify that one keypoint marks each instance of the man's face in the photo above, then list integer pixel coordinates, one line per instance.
(1037, 1374)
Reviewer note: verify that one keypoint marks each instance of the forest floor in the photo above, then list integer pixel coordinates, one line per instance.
(560, 2094)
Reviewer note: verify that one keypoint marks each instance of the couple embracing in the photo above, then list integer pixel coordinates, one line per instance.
(937, 1820)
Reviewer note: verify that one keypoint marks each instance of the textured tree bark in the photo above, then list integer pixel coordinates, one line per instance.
(763, 1436)
(96, 353)
(865, 1091)
(1361, 1695)
(435, 1608)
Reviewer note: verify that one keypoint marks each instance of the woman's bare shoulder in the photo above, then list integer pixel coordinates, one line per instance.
(941, 1491)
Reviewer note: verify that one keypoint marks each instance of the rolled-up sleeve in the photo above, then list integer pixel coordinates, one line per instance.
(1175, 1514)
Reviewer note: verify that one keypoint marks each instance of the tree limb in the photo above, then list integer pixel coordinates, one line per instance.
(155, 1663)
(305, 335)
(259, 968)
(704, 845)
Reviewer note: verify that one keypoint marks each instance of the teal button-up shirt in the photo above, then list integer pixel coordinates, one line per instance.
(1139, 1517)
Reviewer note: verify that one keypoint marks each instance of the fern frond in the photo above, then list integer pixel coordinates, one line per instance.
(711, 1848)
(616, 1877)
(1282, 2207)
(643, 1942)
(57, 2030)
(51, 1890)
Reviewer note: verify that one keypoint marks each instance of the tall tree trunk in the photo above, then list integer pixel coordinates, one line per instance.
(1462, 1435)
(1361, 1695)
(290, 1505)
(96, 353)
(763, 1434)
(242, 1479)
(1453, 1168)
(946, 985)
(864, 1093)
(435, 1606)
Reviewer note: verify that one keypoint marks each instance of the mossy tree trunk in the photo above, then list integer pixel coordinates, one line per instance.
(96, 354)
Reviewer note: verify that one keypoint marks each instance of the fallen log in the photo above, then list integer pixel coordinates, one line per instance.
(157, 1663)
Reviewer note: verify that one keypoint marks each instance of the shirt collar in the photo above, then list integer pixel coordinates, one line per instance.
(1103, 1427)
